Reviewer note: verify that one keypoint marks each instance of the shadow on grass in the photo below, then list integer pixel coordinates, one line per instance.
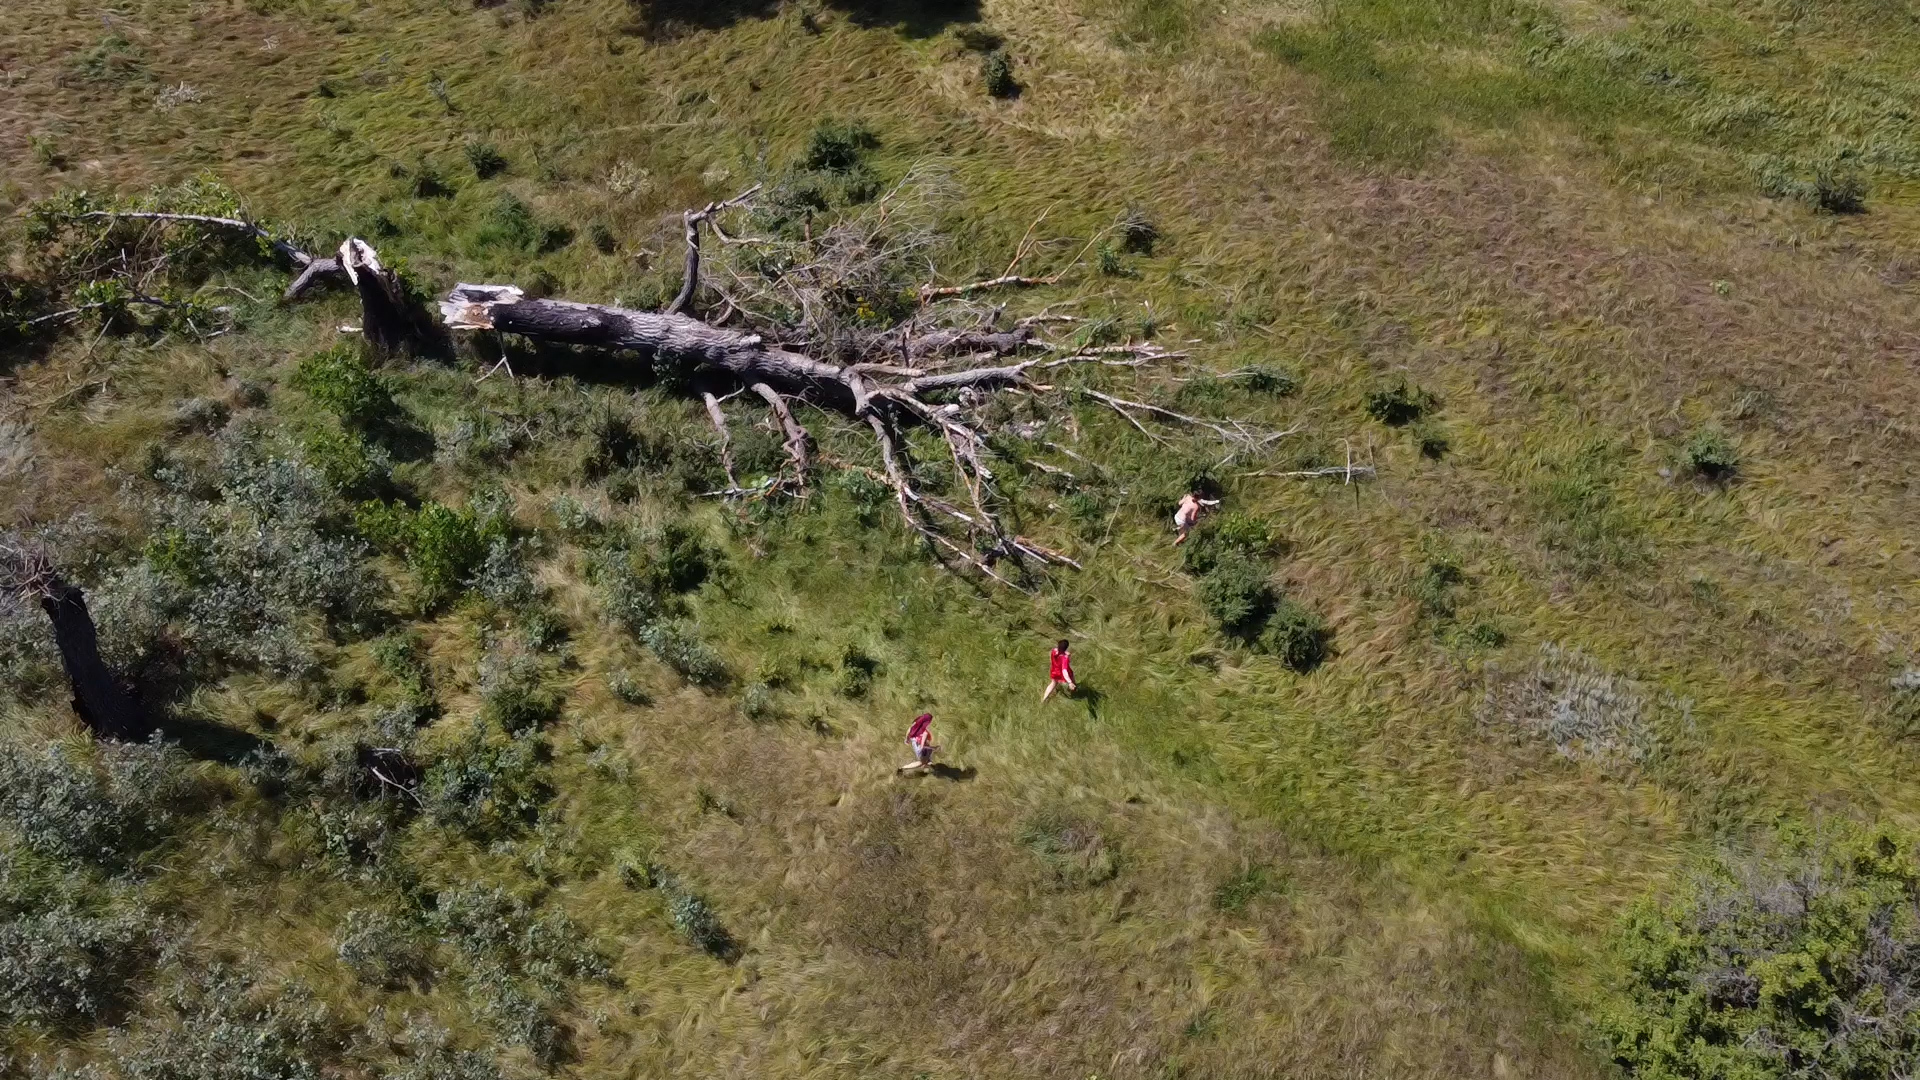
(948, 772)
(206, 741)
(660, 20)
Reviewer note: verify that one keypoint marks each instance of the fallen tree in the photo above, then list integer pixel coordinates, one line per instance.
(923, 372)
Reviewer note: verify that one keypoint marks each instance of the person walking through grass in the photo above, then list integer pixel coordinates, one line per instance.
(920, 738)
(1188, 515)
(1059, 671)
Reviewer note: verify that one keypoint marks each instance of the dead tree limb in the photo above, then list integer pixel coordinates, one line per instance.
(693, 219)
(311, 268)
(719, 419)
(796, 435)
(101, 702)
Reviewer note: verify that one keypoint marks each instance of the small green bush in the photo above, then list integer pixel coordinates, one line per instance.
(340, 382)
(520, 702)
(486, 159)
(1431, 440)
(381, 949)
(996, 73)
(1238, 596)
(838, 146)
(444, 549)
(1230, 535)
(1710, 455)
(680, 648)
(1265, 379)
(488, 784)
(106, 806)
(693, 916)
(62, 966)
(510, 224)
(1398, 403)
(857, 671)
(1839, 192)
(352, 465)
(1298, 635)
(1235, 894)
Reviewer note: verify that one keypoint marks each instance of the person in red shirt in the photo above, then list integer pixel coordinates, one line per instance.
(920, 738)
(1059, 671)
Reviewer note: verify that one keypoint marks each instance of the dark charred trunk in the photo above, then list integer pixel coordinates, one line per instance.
(103, 704)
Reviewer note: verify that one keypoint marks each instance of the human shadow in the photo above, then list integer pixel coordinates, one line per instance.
(664, 20)
(948, 772)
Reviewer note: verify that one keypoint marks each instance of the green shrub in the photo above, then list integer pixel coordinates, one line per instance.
(1431, 440)
(1230, 535)
(1238, 596)
(351, 464)
(486, 159)
(1237, 892)
(1298, 635)
(61, 965)
(514, 695)
(996, 73)
(510, 224)
(1709, 454)
(228, 1028)
(106, 806)
(1797, 962)
(857, 671)
(1398, 403)
(1138, 233)
(838, 146)
(340, 382)
(381, 949)
(1840, 192)
(1266, 379)
(680, 648)
(1434, 588)
(488, 784)
(602, 238)
(444, 548)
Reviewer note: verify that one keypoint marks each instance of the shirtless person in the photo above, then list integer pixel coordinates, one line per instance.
(1188, 515)
(1059, 671)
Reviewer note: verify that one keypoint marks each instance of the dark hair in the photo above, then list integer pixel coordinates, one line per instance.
(1063, 644)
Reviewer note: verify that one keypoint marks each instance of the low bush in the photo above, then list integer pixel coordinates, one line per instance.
(996, 74)
(486, 159)
(1709, 455)
(514, 695)
(1138, 233)
(1235, 894)
(106, 806)
(62, 966)
(1296, 634)
(838, 146)
(340, 382)
(488, 783)
(1839, 192)
(1238, 595)
(238, 581)
(679, 647)
(1398, 403)
(1797, 961)
(443, 547)
(1226, 537)
(227, 1028)
(381, 949)
(857, 671)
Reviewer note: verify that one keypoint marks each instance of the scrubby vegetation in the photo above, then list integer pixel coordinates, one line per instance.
(518, 718)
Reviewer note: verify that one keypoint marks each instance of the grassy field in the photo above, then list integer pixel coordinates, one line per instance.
(1600, 236)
